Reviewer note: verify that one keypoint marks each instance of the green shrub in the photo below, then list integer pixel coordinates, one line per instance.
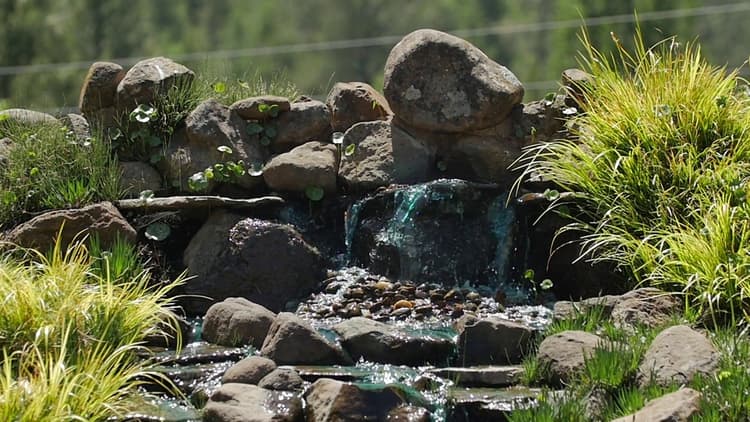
(663, 137)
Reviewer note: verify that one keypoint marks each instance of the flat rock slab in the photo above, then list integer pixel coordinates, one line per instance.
(487, 404)
(481, 376)
(175, 203)
(243, 402)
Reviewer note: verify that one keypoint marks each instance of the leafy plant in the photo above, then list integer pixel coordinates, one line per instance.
(227, 171)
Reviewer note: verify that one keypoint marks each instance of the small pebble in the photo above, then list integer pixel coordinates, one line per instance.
(403, 303)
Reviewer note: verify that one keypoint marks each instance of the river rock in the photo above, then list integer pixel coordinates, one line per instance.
(330, 400)
(680, 406)
(292, 341)
(250, 108)
(237, 321)
(383, 155)
(137, 176)
(313, 164)
(379, 342)
(149, 78)
(564, 353)
(439, 82)
(249, 403)
(491, 341)
(305, 121)
(27, 117)
(249, 370)
(282, 379)
(267, 263)
(645, 306)
(409, 413)
(102, 220)
(676, 356)
(354, 102)
(99, 88)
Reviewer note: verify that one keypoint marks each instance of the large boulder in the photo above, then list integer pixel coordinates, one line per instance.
(330, 400)
(237, 321)
(293, 341)
(379, 342)
(102, 220)
(565, 353)
(383, 154)
(305, 121)
(313, 164)
(439, 82)
(99, 88)
(210, 126)
(149, 78)
(354, 102)
(249, 403)
(265, 262)
(676, 356)
(680, 406)
(491, 341)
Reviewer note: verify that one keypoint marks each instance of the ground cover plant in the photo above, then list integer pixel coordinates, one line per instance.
(47, 166)
(69, 333)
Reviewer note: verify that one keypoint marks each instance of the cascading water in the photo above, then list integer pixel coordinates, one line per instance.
(448, 231)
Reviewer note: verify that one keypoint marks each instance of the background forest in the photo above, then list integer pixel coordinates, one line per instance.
(47, 45)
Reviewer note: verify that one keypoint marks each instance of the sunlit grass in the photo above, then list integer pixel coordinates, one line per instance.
(658, 171)
(69, 335)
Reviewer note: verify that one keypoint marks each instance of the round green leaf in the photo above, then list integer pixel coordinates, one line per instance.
(157, 231)
(314, 193)
(350, 149)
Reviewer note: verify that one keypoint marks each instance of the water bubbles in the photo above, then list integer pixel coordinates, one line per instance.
(337, 138)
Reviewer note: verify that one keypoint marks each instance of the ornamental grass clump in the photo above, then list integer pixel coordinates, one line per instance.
(69, 336)
(658, 172)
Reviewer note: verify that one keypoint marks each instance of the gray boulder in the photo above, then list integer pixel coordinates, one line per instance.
(491, 341)
(210, 126)
(149, 78)
(237, 321)
(78, 125)
(645, 306)
(99, 88)
(293, 341)
(249, 370)
(137, 176)
(249, 403)
(354, 102)
(564, 353)
(378, 342)
(102, 220)
(310, 164)
(384, 154)
(439, 82)
(330, 400)
(676, 356)
(680, 406)
(267, 263)
(305, 121)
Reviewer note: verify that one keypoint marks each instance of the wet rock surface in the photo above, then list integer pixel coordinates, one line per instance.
(491, 341)
(292, 341)
(242, 402)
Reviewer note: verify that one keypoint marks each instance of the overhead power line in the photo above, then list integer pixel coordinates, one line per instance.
(392, 39)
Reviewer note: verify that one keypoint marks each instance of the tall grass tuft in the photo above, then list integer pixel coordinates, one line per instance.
(69, 334)
(658, 171)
